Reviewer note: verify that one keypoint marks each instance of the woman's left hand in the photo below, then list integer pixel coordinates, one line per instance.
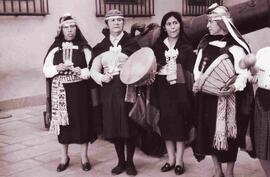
(76, 71)
(195, 88)
(227, 91)
(151, 80)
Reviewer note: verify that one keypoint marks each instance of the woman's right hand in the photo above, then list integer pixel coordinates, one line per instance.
(62, 67)
(195, 88)
(106, 77)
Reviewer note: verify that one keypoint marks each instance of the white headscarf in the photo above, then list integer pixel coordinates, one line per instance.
(217, 12)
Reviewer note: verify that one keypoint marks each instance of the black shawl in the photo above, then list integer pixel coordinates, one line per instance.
(186, 58)
(59, 39)
(128, 44)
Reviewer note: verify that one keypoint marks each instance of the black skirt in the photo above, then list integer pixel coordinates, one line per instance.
(206, 123)
(116, 123)
(81, 128)
(174, 108)
(262, 124)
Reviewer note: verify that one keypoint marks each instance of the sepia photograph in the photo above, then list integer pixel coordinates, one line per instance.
(147, 88)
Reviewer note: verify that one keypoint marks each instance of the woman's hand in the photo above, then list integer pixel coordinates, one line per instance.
(62, 67)
(227, 91)
(151, 80)
(106, 77)
(76, 71)
(195, 88)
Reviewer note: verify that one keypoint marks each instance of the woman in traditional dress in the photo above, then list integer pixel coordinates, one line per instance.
(262, 108)
(66, 64)
(175, 61)
(108, 57)
(217, 116)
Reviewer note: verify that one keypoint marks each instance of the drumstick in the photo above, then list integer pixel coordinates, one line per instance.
(205, 59)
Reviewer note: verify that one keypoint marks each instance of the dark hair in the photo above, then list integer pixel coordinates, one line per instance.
(177, 15)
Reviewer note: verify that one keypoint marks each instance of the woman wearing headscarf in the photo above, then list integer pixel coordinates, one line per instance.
(66, 65)
(175, 61)
(221, 110)
(108, 58)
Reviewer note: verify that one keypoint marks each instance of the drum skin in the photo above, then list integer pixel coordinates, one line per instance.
(139, 68)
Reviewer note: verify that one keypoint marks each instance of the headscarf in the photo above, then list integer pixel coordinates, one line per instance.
(225, 119)
(79, 38)
(222, 16)
(114, 13)
(80, 41)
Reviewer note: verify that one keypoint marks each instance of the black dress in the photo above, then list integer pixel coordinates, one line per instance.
(262, 124)
(115, 120)
(81, 127)
(175, 101)
(207, 108)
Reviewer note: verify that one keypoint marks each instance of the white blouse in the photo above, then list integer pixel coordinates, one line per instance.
(171, 55)
(263, 65)
(49, 69)
(238, 53)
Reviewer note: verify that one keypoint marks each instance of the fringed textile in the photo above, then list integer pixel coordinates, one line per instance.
(225, 123)
(58, 100)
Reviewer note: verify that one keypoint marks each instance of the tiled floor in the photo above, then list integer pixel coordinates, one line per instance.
(27, 150)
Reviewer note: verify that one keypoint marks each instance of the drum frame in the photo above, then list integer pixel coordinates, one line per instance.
(214, 88)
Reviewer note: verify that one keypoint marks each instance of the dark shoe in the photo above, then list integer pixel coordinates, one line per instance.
(62, 167)
(179, 170)
(167, 167)
(118, 169)
(86, 166)
(131, 170)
